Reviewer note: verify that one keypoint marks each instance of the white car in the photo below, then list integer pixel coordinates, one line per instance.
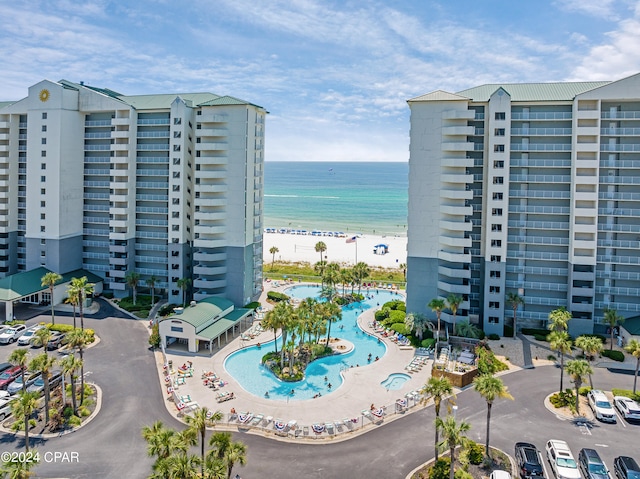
(11, 334)
(601, 407)
(563, 465)
(628, 408)
(28, 336)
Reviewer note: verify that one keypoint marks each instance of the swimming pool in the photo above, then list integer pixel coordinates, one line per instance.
(395, 381)
(246, 368)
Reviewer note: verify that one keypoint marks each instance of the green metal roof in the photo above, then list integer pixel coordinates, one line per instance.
(200, 314)
(26, 283)
(439, 95)
(5, 103)
(163, 101)
(223, 324)
(561, 91)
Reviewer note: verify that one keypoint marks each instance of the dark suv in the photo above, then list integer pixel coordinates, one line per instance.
(591, 465)
(528, 459)
(626, 468)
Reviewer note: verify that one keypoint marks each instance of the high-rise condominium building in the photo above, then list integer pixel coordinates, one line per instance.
(169, 186)
(531, 189)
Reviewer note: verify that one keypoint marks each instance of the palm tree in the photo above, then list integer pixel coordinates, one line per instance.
(198, 423)
(82, 288)
(20, 357)
(515, 300)
(319, 268)
(438, 389)
(613, 319)
(561, 342)
(183, 284)
(559, 319)
(578, 369)
(41, 337)
(453, 435)
(633, 348)
(163, 442)
(590, 345)
(179, 466)
(330, 313)
(273, 250)
(490, 388)
(437, 305)
(453, 301)
(23, 407)
(151, 283)
(19, 469)
(416, 322)
(78, 339)
(73, 298)
(278, 318)
(231, 452)
(133, 278)
(321, 247)
(403, 267)
(361, 272)
(49, 280)
(331, 275)
(70, 365)
(43, 363)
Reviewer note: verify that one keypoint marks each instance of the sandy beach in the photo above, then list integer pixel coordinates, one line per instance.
(301, 248)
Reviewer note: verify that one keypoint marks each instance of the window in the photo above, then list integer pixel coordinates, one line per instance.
(198, 140)
(176, 187)
(177, 134)
(199, 113)
(494, 289)
(496, 211)
(177, 121)
(496, 227)
(496, 243)
(43, 166)
(175, 214)
(497, 196)
(501, 115)
(43, 153)
(496, 258)
(43, 191)
(498, 131)
(494, 319)
(176, 147)
(176, 174)
(498, 164)
(494, 274)
(176, 201)
(43, 204)
(44, 115)
(44, 141)
(176, 329)
(42, 229)
(176, 161)
(494, 304)
(44, 128)
(43, 241)
(175, 228)
(498, 180)
(498, 148)
(43, 216)
(43, 178)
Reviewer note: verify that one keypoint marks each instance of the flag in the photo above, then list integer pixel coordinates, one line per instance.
(352, 239)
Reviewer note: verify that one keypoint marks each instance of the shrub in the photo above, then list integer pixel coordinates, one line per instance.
(534, 331)
(462, 474)
(551, 357)
(563, 399)
(428, 343)
(276, 296)
(400, 328)
(475, 453)
(487, 361)
(395, 305)
(396, 316)
(614, 355)
(493, 337)
(440, 469)
(154, 339)
(626, 392)
(381, 315)
(584, 390)
(254, 305)
(167, 309)
(540, 337)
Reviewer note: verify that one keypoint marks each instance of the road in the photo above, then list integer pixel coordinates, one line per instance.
(124, 368)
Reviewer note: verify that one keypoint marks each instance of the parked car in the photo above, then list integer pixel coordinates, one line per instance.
(38, 385)
(9, 335)
(563, 464)
(8, 376)
(626, 467)
(528, 460)
(627, 407)
(601, 406)
(591, 465)
(57, 339)
(27, 337)
(5, 366)
(16, 384)
(5, 408)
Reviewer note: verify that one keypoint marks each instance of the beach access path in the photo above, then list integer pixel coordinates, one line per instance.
(294, 248)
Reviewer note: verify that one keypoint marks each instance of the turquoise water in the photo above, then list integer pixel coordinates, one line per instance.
(244, 364)
(337, 196)
(395, 381)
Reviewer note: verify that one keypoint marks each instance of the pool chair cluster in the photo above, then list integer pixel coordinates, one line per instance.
(384, 332)
(252, 333)
(416, 364)
(174, 380)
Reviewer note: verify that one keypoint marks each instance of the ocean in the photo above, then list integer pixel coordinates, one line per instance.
(353, 197)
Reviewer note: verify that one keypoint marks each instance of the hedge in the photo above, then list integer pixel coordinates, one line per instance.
(534, 331)
(626, 392)
(400, 328)
(277, 296)
(428, 343)
(615, 355)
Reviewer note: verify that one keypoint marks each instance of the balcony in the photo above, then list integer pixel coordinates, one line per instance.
(551, 115)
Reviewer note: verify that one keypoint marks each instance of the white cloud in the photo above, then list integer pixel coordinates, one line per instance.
(595, 8)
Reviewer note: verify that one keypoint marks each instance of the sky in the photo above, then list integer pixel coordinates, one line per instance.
(333, 75)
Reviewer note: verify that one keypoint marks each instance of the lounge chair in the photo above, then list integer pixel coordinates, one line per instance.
(330, 427)
(186, 398)
(257, 419)
(367, 414)
(348, 423)
(339, 424)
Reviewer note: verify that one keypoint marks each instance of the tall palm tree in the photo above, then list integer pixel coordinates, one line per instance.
(361, 272)
(613, 319)
(438, 389)
(403, 267)
(331, 313)
(590, 345)
(578, 369)
(19, 469)
(183, 284)
(559, 319)
(490, 388)
(633, 348)
(133, 278)
(23, 407)
(82, 288)
(198, 422)
(453, 435)
(180, 465)
(49, 280)
(77, 339)
(20, 357)
(416, 322)
(319, 268)
(273, 250)
(278, 318)
(321, 247)
(163, 442)
(73, 298)
(151, 283)
(561, 342)
(515, 300)
(41, 337)
(437, 305)
(231, 452)
(453, 302)
(43, 364)
(70, 365)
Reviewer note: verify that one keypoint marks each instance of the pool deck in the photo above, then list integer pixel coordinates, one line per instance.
(360, 389)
